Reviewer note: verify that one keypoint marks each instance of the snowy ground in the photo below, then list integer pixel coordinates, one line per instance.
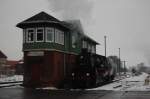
(134, 83)
(11, 78)
(10, 81)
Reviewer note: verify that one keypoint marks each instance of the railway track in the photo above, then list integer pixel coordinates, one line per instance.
(106, 83)
(16, 83)
(10, 84)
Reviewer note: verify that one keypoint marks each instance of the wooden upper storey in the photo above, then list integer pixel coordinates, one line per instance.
(44, 32)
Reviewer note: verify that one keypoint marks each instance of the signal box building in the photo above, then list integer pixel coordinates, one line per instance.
(50, 49)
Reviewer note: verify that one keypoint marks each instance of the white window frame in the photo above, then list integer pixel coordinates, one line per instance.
(93, 49)
(24, 36)
(89, 47)
(73, 40)
(47, 28)
(27, 39)
(84, 44)
(56, 36)
(63, 36)
(59, 37)
(42, 33)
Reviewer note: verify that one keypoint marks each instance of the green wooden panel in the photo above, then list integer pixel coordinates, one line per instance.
(42, 45)
(51, 45)
(46, 45)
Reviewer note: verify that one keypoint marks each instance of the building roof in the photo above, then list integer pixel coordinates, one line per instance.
(2, 55)
(41, 17)
(89, 38)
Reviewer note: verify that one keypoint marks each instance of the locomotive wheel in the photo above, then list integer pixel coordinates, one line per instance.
(106, 79)
(112, 77)
(97, 82)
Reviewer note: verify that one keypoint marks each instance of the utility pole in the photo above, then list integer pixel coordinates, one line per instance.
(124, 66)
(119, 63)
(105, 44)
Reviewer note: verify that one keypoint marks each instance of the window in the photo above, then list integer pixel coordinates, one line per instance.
(59, 37)
(84, 44)
(39, 34)
(49, 34)
(56, 36)
(24, 35)
(93, 49)
(30, 35)
(89, 47)
(73, 41)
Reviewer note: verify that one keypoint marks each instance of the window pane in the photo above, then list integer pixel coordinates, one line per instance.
(63, 38)
(30, 35)
(93, 48)
(59, 36)
(89, 47)
(24, 35)
(40, 34)
(50, 34)
(84, 44)
(56, 36)
(73, 41)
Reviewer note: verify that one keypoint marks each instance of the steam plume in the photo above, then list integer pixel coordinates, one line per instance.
(72, 9)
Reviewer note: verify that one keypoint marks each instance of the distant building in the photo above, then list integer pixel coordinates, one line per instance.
(10, 67)
(50, 49)
(19, 70)
(3, 59)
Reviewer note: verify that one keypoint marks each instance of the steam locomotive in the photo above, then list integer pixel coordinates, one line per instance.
(92, 70)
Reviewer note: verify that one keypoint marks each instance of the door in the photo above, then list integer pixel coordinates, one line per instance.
(36, 71)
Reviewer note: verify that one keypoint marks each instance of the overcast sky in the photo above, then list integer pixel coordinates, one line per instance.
(126, 23)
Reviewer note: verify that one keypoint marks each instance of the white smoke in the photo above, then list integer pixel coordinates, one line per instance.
(72, 9)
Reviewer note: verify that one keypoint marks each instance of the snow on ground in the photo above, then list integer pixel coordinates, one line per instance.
(11, 78)
(10, 85)
(4, 81)
(134, 83)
